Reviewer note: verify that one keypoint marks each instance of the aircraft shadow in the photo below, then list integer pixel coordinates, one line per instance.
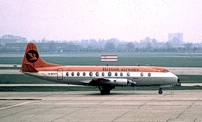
(122, 93)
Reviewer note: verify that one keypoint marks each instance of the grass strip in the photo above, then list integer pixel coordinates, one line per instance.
(161, 60)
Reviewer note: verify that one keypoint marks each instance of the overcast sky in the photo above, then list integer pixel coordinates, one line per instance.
(128, 20)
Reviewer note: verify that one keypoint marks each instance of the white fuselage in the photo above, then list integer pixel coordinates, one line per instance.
(84, 77)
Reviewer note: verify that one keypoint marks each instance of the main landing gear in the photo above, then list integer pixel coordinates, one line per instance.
(160, 90)
(105, 89)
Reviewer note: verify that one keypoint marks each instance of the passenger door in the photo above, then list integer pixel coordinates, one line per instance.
(60, 74)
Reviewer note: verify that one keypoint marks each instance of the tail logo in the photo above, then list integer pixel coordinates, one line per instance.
(32, 56)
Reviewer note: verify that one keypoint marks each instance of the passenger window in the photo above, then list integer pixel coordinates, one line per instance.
(97, 73)
(67, 74)
(149, 74)
(141, 74)
(78, 73)
(116, 74)
(84, 74)
(121, 74)
(109, 73)
(103, 74)
(72, 73)
(91, 74)
(128, 74)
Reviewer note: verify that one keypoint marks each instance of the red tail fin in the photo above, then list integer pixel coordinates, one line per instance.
(32, 60)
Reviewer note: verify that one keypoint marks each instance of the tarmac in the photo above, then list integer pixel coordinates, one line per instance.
(88, 106)
(13, 85)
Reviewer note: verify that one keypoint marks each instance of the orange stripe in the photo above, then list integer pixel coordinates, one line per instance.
(105, 68)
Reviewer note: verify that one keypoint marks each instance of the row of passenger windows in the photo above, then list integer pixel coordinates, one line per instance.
(103, 74)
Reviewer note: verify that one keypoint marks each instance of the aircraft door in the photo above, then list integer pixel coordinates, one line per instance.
(60, 74)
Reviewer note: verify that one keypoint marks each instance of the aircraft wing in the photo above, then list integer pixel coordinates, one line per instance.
(111, 82)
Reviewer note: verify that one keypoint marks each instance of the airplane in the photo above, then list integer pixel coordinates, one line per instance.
(105, 78)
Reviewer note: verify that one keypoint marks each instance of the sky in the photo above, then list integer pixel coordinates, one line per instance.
(127, 20)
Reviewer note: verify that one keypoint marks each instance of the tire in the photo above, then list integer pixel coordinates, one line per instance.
(160, 92)
(105, 91)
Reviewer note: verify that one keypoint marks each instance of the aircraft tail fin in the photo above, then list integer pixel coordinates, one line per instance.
(32, 60)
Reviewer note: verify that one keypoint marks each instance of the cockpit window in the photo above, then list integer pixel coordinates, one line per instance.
(165, 70)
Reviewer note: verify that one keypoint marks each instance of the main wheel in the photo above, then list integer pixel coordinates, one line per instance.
(160, 92)
(105, 91)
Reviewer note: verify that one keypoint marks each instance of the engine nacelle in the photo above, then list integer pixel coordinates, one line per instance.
(119, 82)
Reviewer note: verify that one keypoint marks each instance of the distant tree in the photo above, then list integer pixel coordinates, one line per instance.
(70, 43)
(149, 45)
(34, 41)
(51, 46)
(130, 46)
(147, 39)
(187, 46)
(168, 45)
(92, 42)
(154, 42)
(109, 46)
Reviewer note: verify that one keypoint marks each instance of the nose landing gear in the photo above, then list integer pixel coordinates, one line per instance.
(178, 82)
(160, 90)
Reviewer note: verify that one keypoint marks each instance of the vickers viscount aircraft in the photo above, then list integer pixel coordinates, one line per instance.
(105, 78)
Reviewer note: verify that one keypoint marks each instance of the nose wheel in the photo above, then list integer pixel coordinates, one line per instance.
(160, 91)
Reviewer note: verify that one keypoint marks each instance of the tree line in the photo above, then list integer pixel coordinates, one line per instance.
(108, 45)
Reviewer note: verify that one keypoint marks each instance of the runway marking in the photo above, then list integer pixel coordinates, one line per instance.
(16, 105)
(20, 99)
